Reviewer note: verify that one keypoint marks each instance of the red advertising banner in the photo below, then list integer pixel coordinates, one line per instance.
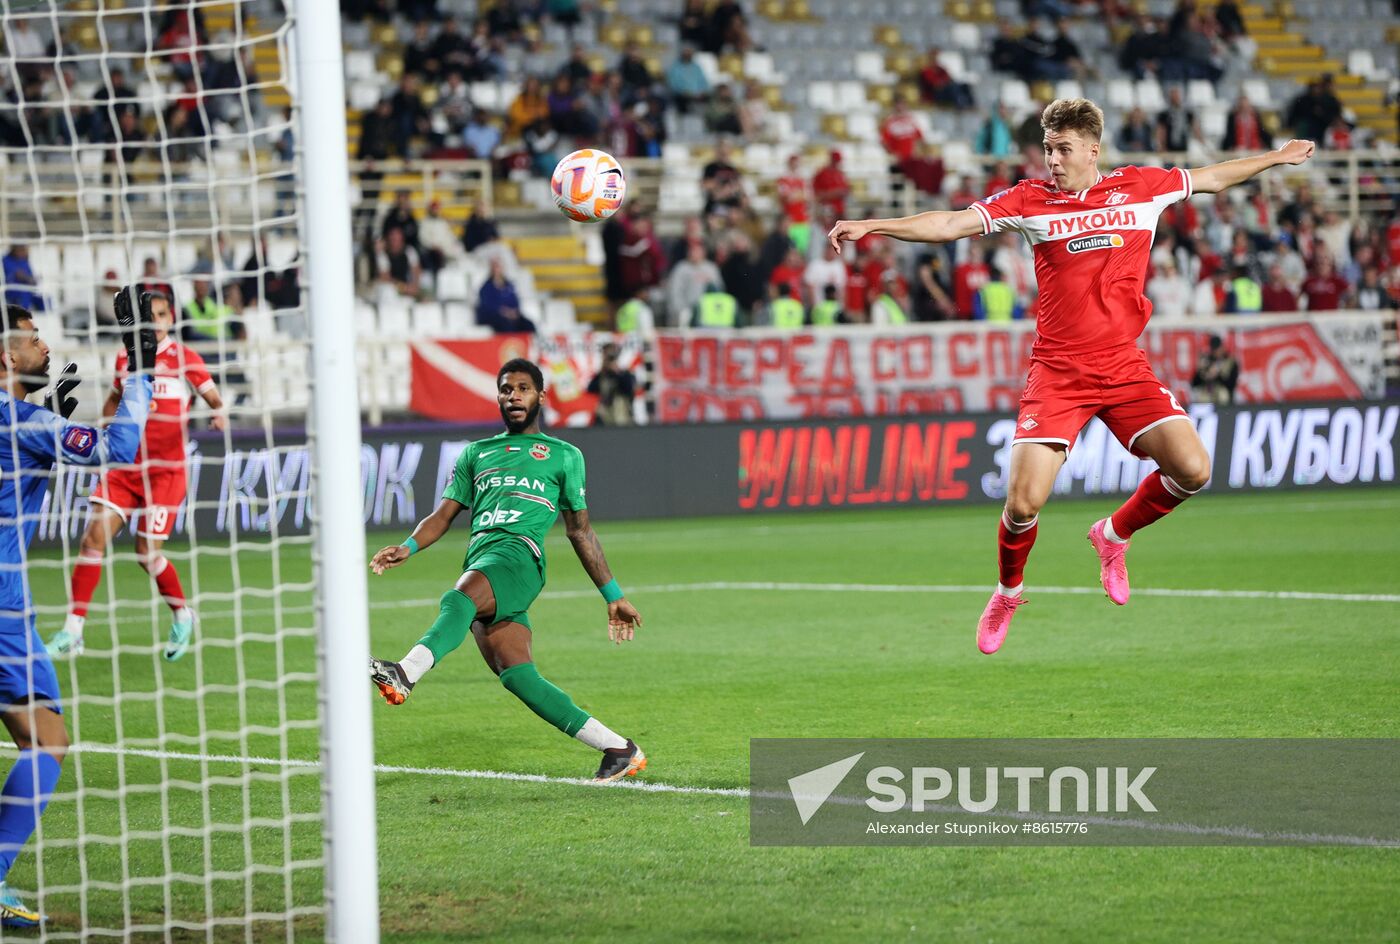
(456, 380)
(946, 368)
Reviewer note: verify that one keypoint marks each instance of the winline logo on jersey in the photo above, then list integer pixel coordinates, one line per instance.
(1097, 241)
(1170, 791)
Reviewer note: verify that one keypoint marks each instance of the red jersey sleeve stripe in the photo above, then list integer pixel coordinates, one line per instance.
(986, 218)
(1186, 176)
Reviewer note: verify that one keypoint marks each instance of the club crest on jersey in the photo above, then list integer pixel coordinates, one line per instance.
(79, 440)
(1098, 241)
(1029, 424)
(539, 451)
(1116, 198)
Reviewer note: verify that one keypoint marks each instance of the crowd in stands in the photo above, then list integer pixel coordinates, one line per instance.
(42, 106)
(212, 308)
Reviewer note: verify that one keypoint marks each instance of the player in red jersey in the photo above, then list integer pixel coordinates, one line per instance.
(154, 488)
(1091, 234)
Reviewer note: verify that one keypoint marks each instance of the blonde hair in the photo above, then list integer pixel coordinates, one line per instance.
(1073, 114)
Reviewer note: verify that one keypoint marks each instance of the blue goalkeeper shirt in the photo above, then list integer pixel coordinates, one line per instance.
(32, 441)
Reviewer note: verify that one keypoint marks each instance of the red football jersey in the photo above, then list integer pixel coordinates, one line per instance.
(792, 194)
(177, 369)
(1091, 252)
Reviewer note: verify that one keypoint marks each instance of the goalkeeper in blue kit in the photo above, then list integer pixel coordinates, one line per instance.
(33, 439)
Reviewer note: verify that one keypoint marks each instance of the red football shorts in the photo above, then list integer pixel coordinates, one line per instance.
(1063, 392)
(155, 493)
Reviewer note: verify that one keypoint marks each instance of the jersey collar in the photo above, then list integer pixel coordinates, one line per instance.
(165, 344)
(1084, 194)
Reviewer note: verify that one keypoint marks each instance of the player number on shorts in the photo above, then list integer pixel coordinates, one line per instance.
(1172, 397)
(156, 518)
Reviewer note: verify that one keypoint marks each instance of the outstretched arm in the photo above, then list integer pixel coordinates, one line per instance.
(623, 618)
(935, 226)
(1223, 176)
(426, 534)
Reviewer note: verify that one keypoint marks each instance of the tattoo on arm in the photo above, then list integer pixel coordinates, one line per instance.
(587, 546)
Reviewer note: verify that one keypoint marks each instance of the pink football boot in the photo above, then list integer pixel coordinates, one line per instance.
(995, 621)
(1113, 570)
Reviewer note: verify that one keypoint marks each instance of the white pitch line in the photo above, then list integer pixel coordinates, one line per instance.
(1031, 590)
(646, 786)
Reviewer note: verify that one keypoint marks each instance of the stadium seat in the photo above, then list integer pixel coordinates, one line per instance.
(1200, 93)
(1257, 91)
(1120, 94)
(1147, 93)
(366, 320)
(1069, 88)
(458, 319)
(365, 93)
(1213, 118)
(113, 256)
(852, 98)
(47, 263)
(1361, 62)
(393, 318)
(709, 65)
(953, 61)
(871, 67)
(822, 96)
(181, 255)
(359, 64)
(759, 65)
(428, 320)
(967, 36)
(452, 283)
(862, 126)
(1015, 94)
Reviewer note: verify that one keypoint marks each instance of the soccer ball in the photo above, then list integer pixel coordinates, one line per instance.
(588, 185)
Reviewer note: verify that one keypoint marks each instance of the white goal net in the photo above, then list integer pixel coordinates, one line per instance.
(156, 142)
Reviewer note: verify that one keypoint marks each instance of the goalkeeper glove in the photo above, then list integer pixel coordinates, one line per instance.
(60, 398)
(138, 330)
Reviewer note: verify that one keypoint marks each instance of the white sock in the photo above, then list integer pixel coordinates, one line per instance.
(1109, 533)
(599, 737)
(1010, 591)
(417, 663)
(74, 625)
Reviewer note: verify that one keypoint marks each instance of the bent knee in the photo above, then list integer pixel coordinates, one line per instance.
(1022, 508)
(1191, 474)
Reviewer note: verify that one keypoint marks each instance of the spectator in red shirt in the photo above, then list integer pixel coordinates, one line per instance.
(1243, 129)
(900, 133)
(643, 260)
(965, 195)
(1277, 296)
(968, 277)
(1000, 178)
(789, 272)
(880, 261)
(856, 288)
(793, 194)
(937, 85)
(832, 189)
(1325, 289)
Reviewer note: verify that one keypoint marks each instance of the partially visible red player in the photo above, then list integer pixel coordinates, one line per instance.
(154, 488)
(1091, 234)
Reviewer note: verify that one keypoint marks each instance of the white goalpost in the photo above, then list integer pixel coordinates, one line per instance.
(198, 147)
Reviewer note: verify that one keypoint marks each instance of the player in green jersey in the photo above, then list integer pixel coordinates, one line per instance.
(516, 484)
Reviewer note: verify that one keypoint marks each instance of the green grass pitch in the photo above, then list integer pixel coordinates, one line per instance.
(476, 859)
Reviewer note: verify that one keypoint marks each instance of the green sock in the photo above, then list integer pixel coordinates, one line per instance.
(544, 698)
(456, 612)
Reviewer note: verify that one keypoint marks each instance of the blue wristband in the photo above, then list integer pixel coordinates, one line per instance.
(611, 591)
(411, 544)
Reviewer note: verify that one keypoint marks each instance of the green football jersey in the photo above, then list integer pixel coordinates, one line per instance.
(515, 486)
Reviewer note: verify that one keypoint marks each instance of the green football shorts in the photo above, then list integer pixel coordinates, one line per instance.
(516, 577)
